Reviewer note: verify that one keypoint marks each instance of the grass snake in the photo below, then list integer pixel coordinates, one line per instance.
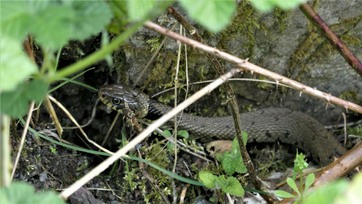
(263, 126)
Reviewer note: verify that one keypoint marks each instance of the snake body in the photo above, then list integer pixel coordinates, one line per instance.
(264, 126)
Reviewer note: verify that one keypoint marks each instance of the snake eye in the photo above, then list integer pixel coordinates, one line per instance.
(116, 101)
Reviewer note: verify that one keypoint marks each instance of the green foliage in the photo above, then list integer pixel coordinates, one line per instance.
(232, 162)
(15, 66)
(15, 103)
(53, 23)
(229, 185)
(299, 165)
(140, 9)
(213, 14)
(327, 193)
(268, 5)
(184, 134)
(339, 192)
(22, 193)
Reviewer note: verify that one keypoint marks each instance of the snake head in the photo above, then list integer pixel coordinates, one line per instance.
(119, 96)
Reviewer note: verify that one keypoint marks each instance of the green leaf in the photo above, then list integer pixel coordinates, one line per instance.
(240, 166)
(15, 19)
(19, 193)
(15, 103)
(213, 14)
(293, 185)
(36, 90)
(15, 66)
(47, 197)
(284, 194)
(91, 18)
(208, 179)
(140, 9)
(327, 193)
(233, 187)
(54, 23)
(232, 161)
(244, 135)
(290, 4)
(268, 5)
(228, 164)
(183, 134)
(166, 133)
(353, 192)
(50, 26)
(309, 181)
(300, 163)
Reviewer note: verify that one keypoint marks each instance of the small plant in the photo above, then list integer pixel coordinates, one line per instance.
(231, 163)
(304, 184)
(19, 192)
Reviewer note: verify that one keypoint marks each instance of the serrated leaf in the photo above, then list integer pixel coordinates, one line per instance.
(214, 15)
(208, 179)
(15, 66)
(19, 192)
(232, 161)
(15, 19)
(140, 9)
(284, 194)
(309, 181)
(228, 164)
(268, 5)
(233, 187)
(50, 26)
(91, 18)
(291, 183)
(54, 23)
(36, 90)
(15, 103)
(240, 166)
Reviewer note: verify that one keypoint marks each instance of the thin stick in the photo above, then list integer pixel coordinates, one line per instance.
(22, 140)
(333, 38)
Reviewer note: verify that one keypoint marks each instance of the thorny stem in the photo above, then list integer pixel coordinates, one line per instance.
(333, 38)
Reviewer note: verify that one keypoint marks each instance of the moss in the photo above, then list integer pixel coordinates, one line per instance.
(315, 47)
(348, 95)
(245, 23)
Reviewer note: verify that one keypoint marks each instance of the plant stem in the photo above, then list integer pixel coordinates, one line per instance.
(5, 164)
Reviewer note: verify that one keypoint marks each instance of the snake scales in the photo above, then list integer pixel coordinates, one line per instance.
(265, 125)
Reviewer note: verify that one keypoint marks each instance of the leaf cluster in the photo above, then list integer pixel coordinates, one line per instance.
(231, 163)
(19, 192)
